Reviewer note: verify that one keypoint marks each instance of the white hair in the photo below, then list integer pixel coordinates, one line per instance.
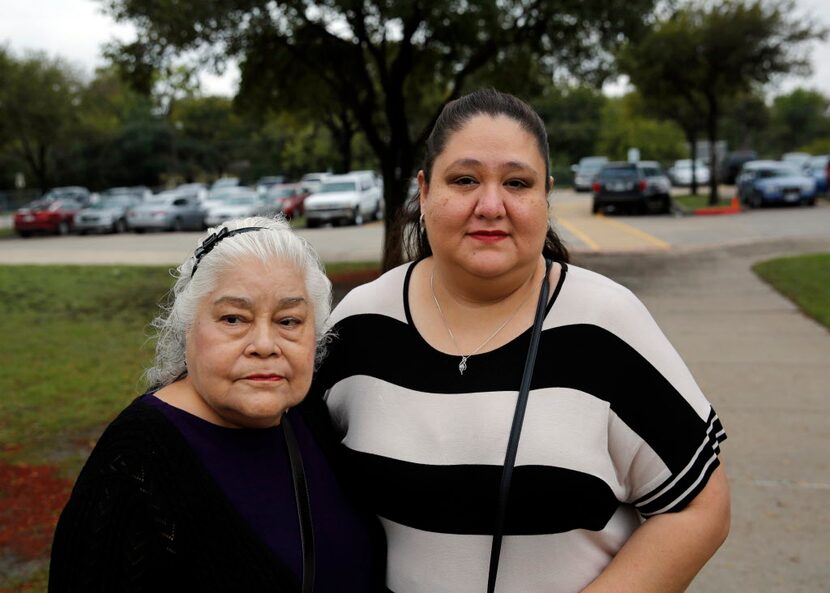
(275, 242)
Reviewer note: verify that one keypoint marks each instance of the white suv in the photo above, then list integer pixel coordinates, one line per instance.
(351, 199)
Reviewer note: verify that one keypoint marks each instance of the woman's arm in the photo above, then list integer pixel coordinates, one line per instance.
(668, 550)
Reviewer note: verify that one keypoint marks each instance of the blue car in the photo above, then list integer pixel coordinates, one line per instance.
(818, 167)
(774, 182)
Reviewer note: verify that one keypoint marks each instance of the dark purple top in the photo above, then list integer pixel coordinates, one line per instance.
(251, 467)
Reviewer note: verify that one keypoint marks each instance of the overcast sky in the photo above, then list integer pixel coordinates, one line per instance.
(76, 29)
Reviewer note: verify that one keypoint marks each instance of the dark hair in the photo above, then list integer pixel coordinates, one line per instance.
(452, 118)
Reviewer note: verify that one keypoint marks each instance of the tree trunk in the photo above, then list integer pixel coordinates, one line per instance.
(692, 137)
(397, 169)
(712, 129)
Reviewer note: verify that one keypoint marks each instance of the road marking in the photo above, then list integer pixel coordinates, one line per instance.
(600, 233)
(659, 243)
(592, 245)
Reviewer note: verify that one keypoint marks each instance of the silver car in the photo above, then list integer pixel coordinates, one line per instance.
(241, 202)
(108, 215)
(168, 211)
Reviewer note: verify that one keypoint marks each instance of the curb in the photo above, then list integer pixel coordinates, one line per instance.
(733, 208)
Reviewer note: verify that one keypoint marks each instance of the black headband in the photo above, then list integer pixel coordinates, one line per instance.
(209, 243)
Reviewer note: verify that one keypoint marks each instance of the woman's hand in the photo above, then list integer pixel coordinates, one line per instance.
(667, 551)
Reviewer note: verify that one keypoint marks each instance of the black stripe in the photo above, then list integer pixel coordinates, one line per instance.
(462, 499)
(582, 357)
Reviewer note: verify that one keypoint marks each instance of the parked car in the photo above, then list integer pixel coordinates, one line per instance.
(640, 186)
(263, 184)
(287, 199)
(200, 189)
(168, 211)
(53, 216)
(140, 192)
(586, 171)
(70, 192)
(681, 172)
(731, 165)
(242, 202)
(107, 215)
(818, 167)
(766, 182)
(225, 182)
(312, 181)
(350, 198)
(798, 160)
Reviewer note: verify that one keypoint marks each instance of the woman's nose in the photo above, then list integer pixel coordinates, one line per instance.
(264, 340)
(490, 201)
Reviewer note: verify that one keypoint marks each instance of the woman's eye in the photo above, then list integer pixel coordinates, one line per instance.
(291, 322)
(231, 319)
(517, 183)
(464, 181)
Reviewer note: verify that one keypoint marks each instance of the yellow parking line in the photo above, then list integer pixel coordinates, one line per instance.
(593, 245)
(627, 228)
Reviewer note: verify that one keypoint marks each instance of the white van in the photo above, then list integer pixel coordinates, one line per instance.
(350, 199)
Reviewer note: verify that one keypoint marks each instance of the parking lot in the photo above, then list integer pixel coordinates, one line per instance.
(570, 213)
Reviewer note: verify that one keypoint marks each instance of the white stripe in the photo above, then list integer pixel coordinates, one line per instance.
(706, 442)
(563, 427)
(685, 492)
(427, 562)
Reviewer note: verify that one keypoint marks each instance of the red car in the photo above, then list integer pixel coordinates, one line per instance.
(46, 216)
(287, 198)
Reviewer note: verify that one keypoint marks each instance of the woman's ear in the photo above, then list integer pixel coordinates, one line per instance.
(423, 188)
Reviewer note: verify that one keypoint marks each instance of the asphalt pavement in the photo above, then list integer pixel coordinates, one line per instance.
(766, 369)
(762, 363)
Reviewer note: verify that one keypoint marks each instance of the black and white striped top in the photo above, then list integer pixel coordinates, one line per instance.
(616, 430)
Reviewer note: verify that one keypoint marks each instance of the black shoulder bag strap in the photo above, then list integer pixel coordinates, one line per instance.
(295, 458)
(516, 429)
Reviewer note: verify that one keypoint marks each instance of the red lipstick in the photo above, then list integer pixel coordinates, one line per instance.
(264, 377)
(488, 236)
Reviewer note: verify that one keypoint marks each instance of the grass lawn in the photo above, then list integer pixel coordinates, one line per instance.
(690, 202)
(75, 345)
(805, 279)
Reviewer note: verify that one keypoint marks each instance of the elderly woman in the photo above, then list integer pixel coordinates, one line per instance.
(519, 423)
(208, 482)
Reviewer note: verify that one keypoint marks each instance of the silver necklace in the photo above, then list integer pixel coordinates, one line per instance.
(462, 366)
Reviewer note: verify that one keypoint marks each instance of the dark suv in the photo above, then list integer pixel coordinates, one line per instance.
(640, 187)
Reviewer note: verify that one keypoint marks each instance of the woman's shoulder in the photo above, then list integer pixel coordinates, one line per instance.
(587, 290)
(382, 296)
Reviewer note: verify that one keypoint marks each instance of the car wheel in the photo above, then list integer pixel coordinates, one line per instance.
(311, 223)
(378, 214)
(24, 234)
(665, 205)
(177, 226)
(63, 228)
(595, 208)
(119, 226)
(810, 202)
(139, 230)
(357, 217)
(82, 233)
(756, 200)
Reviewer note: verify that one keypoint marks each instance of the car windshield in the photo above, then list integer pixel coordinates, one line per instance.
(239, 201)
(651, 171)
(54, 194)
(60, 204)
(282, 192)
(335, 186)
(618, 173)
(113, 202)
(777, 172)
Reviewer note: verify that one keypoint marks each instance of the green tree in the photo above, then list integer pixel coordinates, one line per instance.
(391, 65)
(622, 127)
(798, 119)
(705, 56)
(38, 107)
(573, 118)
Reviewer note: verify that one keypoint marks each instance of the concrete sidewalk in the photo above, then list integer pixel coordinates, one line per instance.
(766, 369)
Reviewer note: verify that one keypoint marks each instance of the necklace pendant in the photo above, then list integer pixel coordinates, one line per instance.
(462, 366)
